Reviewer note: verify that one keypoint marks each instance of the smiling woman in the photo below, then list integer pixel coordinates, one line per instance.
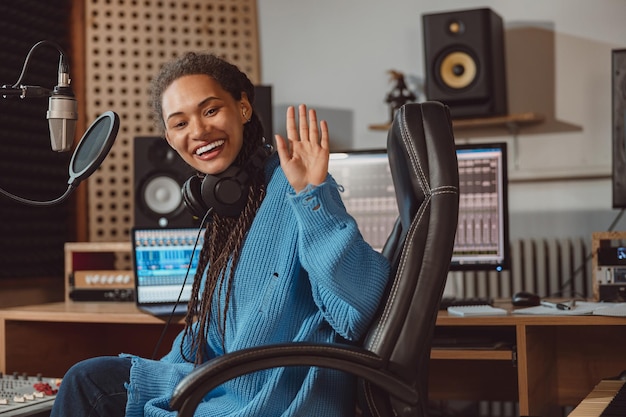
(291, 240)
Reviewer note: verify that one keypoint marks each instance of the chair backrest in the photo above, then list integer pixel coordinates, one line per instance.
(424, 168)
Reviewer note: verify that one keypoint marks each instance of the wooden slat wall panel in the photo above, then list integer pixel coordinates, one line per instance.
(126, 42)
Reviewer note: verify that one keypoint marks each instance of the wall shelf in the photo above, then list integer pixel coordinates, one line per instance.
(512, 123)
(489, 126)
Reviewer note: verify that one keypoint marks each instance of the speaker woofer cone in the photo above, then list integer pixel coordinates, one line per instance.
(161, 196)
(458, 70)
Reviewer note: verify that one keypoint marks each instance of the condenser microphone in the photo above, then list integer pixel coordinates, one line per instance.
(62, 111)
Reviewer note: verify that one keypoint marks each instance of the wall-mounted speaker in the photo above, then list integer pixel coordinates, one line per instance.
(618, 84)
(159, 173)
(465, 62)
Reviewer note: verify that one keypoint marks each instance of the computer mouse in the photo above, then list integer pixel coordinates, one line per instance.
(525, 299)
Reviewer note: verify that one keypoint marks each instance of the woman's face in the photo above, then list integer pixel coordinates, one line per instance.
(203, 122)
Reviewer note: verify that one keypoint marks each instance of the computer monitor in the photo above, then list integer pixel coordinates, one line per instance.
(482, 234)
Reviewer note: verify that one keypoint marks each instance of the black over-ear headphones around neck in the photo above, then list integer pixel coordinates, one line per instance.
(226, 193)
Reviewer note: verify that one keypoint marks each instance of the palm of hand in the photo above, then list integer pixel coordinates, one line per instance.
(304, 155)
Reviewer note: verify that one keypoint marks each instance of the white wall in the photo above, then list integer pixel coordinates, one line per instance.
(335, 54)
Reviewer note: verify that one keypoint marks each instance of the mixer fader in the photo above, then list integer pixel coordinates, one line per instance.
(22, 395)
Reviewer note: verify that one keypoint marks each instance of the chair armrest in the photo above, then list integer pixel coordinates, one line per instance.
(351, 359)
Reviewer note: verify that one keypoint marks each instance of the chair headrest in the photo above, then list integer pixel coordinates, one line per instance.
(415, 168)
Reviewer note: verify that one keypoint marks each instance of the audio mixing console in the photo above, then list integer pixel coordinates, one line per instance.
(22, 395)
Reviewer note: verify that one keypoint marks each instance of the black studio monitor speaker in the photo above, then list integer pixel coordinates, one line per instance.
(263, 108)
(159, 173)
(618, 81)
(465, 62)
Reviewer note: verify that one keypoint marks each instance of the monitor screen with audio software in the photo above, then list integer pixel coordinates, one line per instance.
(165, 259)
(482, 233)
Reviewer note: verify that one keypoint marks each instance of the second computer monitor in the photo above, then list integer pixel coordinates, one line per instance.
(482, 233)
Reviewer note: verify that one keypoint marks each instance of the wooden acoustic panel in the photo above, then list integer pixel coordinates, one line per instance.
(126, 43)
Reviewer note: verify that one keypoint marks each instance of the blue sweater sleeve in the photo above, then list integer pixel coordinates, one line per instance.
(347, 275)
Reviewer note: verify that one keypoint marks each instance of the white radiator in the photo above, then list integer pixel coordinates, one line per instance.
(546, 266)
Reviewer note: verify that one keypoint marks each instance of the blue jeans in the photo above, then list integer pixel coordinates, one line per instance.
(94, 387)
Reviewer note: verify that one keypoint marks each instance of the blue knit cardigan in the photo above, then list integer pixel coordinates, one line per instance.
(305, 274)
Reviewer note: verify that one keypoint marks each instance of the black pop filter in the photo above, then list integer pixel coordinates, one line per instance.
(88, 155)
(93, 147)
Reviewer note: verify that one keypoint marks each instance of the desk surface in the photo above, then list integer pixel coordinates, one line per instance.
(445, 319)
(127, 312)
(554, 360)
(81, 312)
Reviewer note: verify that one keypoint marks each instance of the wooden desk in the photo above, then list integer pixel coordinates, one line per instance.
(49, 338)
(551, 361)
(554, 360)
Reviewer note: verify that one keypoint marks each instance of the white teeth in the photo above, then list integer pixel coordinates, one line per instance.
(209, 147)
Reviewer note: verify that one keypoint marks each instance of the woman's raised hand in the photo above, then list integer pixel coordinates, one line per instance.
(304, 154)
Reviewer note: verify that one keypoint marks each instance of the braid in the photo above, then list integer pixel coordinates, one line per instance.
(239, 235)
(219, 256)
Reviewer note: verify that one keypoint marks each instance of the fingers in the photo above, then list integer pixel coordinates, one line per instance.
(292, 131)
(313, 129)
(325, 141)
(282, 148)
(306, 128)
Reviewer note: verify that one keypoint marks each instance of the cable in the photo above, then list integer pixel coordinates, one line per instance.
(619, 215)
(180, 294)
(58, 200)
(30, 53)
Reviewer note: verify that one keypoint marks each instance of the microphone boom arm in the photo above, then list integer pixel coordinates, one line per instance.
(24, 91)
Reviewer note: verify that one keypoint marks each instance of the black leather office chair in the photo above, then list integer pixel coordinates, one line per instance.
(392, 362)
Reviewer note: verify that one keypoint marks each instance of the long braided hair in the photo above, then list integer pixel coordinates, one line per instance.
(224, 236)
